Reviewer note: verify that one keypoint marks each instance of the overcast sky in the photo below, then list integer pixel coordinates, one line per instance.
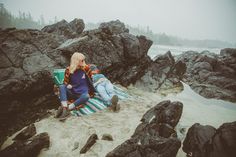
(192, 19)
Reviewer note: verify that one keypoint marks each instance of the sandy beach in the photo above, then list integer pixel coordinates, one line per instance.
(67, 138)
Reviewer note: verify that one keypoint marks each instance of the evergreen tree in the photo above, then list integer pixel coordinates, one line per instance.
(22, 21)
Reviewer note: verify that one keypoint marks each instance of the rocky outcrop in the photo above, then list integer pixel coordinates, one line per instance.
(163, 73)
(113, 27)
(211, 75)
(26, 85)
(26, 144)
(230, 52)
(68, 30)
(121, 56)
(28, 58)
(196, 139)
(26, 133)
(155, 136)
(206, 141)
(30, 147)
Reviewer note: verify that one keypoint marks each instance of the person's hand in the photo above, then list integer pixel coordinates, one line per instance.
(91, 95)
(69, 86)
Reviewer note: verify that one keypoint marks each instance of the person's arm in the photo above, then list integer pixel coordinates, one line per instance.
(95, 84)
(67, 76)
(88, 71)
(98, 81)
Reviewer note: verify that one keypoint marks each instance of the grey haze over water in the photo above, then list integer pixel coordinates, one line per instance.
(192, 19)
(177, 50)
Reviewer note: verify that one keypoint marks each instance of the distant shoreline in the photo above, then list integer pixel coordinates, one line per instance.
(156, 49)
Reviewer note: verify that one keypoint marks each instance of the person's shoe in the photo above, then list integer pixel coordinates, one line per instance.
(117, 107)
(58, 112)
(114, 101)
(65, 114)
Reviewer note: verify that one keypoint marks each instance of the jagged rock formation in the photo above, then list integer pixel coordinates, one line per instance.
(155, 136)
(206, 141)
(211, 75)
(26, 133)
(68, 30)
(26, 144)
(162, 73)
(120, 55)
(28, 58)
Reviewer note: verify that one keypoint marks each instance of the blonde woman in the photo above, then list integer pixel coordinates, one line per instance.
(77, 85)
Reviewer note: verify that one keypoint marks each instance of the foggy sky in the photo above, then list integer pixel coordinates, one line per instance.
(192, 19)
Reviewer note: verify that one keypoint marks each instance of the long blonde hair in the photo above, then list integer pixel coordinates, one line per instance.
(75, 61)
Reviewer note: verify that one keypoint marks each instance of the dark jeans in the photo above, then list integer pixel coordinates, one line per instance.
(66, 94)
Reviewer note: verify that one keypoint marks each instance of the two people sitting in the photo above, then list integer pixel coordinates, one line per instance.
(81, 81)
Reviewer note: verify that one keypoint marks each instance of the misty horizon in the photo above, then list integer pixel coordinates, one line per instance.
(187, 19)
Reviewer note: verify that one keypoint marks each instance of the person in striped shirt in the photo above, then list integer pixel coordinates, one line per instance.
(77, 85)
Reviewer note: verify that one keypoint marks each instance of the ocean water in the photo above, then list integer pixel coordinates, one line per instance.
(177, 50)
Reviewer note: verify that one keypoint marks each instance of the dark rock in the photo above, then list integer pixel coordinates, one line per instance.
(180, 69)
(131, 46)
(165, 130)
(26, 133)
(5, 62)
(68, 30)
(163, 73)
(113, 27)
(228, 52)
(90, 142)
(155, 136)
(121, 57)
(206, 141)
(107, 137)
(31, 147)
(182, 130)
(223, 143)
(76, 146)
(164, 112)
(211, 75)
(77, 25)
(26, 84)
(32, 98)
(196, 138)
(145, 44)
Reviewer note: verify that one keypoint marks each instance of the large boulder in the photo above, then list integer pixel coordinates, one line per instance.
(156, 135)
(163, 73)
(113, 27)
(228, 52)
(196, 139)
(68, 30)
(26, 84)
(211, 75)
(206, 141)
(27, 148)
